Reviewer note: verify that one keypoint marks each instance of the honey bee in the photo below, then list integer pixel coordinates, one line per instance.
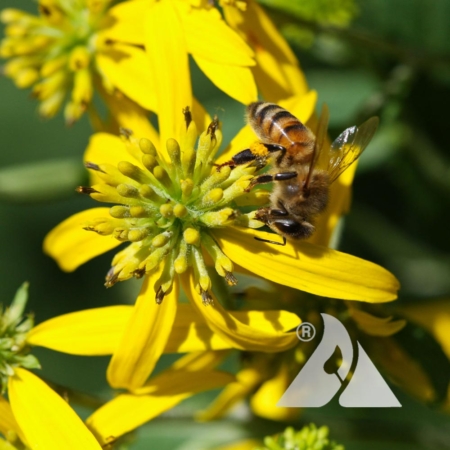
(303, 167)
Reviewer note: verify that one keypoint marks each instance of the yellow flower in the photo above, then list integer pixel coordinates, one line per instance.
(63, 56)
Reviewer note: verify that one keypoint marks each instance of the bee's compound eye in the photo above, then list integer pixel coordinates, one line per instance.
(293, 228)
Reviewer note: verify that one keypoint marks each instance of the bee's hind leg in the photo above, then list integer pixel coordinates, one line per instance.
(267, 178)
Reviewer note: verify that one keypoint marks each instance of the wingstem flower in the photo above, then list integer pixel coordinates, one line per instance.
(63, 55)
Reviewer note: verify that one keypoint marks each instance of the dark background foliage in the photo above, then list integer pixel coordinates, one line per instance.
(393, 60)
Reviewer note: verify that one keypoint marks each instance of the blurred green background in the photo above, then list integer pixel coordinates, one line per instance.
(392, 60)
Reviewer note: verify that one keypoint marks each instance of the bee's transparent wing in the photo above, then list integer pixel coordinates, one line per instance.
(348, 146)
(321, 134)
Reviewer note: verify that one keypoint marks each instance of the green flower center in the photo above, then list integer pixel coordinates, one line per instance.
(167, 209)
(54, 52)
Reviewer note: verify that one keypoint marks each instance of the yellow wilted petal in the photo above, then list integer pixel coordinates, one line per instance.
(46, 420)
(129, 69)
(277, 72)
(375, 326)
(254, 335)
(166, 48)
(210, 38)
(128, 411)
(144, 337)
(434, 316)
(235, 81)
(70, 245)
(127, 24)
(264, 400)
(308, 267)
(91, 332)
(301, 106)
(247, 380)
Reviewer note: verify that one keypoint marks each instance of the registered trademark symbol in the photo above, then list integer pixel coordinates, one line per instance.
(306, 332)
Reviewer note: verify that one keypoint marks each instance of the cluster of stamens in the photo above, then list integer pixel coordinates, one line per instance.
(166, 207)
(53, 52)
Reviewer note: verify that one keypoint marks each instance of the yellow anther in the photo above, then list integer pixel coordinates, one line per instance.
(53, 65)
(120, 234)
(191, 236)
(218, 218)
(50, 106)
(137, 234)
(104, 228)
(26, 77)
(180, 210)
(161, 240)
(132, 171)
(73, 111)
(119, 212)
(173, 149)
(147, 147)
(138, 211)
(186, 187)
(180, 264)
(159, 172)
(79, 58)
(83, 88)
(9, 15)
(213, 196)
(205, 282)
(149, 161)
(166, 210)
(224, 263)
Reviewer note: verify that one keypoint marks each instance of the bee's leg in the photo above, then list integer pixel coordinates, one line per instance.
(247, 155)
(267, 178)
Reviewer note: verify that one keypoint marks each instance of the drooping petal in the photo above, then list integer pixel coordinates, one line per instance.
(307, 267)
(375, 326)
(222, 45)
(91, 332)
(144, 337)
(166, 48)
(277, 72)
(70, 245)
(236, 81)
(301, 106)
(46, 419)
(128, 69)
(128, 411)
(246, 335)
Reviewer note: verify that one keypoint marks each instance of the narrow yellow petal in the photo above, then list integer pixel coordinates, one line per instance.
(277, 72)
(129, 69)
(72, 246)
(144, 337)
(235, 81)
(91, 332)
(127, 411)
(127, 24)
(222, 45)
(46, 420)
(8, 423)
(375, 326)
(310, 268)
(253, 335)
(301, 106)
(166, 48)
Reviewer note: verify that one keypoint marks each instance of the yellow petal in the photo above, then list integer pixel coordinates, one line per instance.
(72, 246)
(235, 81)
(375, 326)
(8, 423)
(301, 106)
(127, 24)
(277, 72)
(129, 70)
(247, 380)
(166, 48)
(127, 411)
(255, 333)
(144, 337)
(91, 332)
(46, 420)
(310, 268)
(210, 38)
(130, 115)
(248, 444)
